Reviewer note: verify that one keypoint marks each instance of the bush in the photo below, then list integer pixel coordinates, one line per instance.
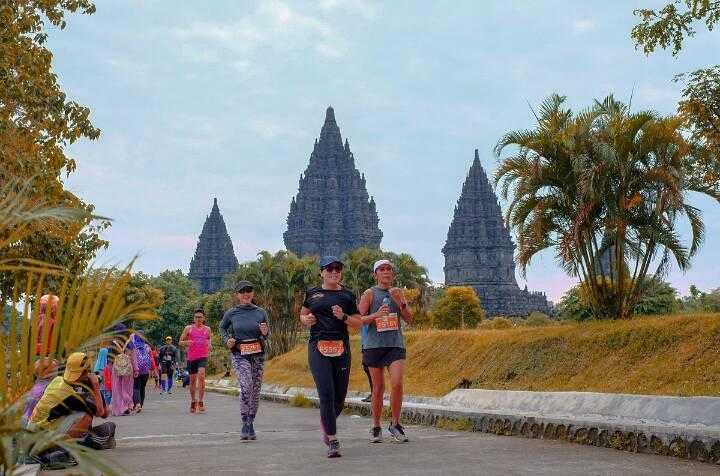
(300, 400)
(458, 308)
(537, 319)
(496, 323)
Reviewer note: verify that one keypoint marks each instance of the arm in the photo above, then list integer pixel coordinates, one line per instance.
(353, 320)
(183, 342)
(306, 317)
(364, 309)
(398, 296)
(264, 329)
(100, 409)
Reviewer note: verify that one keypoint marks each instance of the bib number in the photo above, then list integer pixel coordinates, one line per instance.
(167, 358)
(331, 348)
(387, 323)
(249, 348)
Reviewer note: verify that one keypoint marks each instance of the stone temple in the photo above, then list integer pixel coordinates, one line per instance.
(479, 252)
(331, 213)
(214, 256)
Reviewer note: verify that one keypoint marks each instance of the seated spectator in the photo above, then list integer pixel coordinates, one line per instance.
(70, 402)
(45, 370)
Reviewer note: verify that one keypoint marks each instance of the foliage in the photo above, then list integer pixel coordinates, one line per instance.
(537, 319)
(280, 283)
(89, 304)
(358, 272)
(300, 400)
(180, 299)
(603, 181)
(37, 123)
(699, 301)
(497, 322)
(670, 25)
(458, 308)
(659, 298)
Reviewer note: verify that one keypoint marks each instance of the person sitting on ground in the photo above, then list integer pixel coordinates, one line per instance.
(69, 404)
(45, 371)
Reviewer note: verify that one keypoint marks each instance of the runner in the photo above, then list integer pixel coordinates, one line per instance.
(384, 345)
(196, 337)
(142, 368)
(244, 330)
(167, 359)
(328, 310)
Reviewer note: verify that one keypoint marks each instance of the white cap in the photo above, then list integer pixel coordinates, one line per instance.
(381, 262)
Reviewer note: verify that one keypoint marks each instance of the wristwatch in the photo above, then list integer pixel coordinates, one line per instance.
(345, 317)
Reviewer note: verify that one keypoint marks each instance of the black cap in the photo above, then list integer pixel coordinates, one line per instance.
(242, 285)
(328, 260)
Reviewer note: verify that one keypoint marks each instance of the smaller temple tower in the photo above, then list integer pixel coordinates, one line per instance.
(214, 256)
(479, 251)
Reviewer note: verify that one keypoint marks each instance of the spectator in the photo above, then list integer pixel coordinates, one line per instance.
(45, 371)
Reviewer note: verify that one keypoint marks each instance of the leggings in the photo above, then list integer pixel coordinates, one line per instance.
(139, 384)
(167, 383)
(331, 375)
(249, 369)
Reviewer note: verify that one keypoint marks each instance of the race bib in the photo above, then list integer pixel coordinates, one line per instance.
(249, 348)
(331, 348)
(387, 323)
(167, 358)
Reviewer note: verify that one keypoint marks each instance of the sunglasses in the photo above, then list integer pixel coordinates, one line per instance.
(333, 268)
(245, 290)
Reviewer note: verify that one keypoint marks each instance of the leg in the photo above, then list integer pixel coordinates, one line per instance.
(258, 366)
(366, 369)
(143, 385)
(378, 393)
(80, 426)
(200, 384)
(193, 385)
(243, 368)
(170, 378)
(341, 379)
(322, 369)
(397, 373)
(136, 391)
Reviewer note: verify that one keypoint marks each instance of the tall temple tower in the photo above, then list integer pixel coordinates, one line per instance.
(331, 213)
(214, 256)
(479, 252)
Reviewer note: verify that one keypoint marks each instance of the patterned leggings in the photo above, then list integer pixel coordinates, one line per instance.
(249, 370)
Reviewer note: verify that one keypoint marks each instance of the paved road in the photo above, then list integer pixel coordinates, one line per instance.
(166, 440)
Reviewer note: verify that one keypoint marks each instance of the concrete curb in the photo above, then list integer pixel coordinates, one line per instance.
(670, 440)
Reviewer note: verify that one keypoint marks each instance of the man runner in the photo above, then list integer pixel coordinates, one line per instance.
(167, 360)
(196, 337)
(384, 346)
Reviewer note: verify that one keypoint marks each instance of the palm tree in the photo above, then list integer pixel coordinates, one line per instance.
(604, 182)
(89, 304)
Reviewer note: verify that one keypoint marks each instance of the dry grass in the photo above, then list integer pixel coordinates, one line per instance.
(678, 355)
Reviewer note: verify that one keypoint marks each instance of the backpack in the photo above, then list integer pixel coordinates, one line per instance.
(122, 367)
(144, 363)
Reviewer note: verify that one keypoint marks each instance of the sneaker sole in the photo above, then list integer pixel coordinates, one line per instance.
(334, 455)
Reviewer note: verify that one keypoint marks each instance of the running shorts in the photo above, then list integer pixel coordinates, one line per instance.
(382, 356)
(194, 365)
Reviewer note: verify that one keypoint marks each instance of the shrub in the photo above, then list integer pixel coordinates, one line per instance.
(458, 308)
(498, 322)
(537, 319)
(300, 400)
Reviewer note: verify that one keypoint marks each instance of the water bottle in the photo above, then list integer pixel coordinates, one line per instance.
(386, 301)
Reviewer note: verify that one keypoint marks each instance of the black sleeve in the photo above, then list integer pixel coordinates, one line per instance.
(352, 306)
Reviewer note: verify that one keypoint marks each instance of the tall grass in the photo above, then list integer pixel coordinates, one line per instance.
(672, 355)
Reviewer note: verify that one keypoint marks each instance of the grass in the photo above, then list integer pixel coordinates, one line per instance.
(670, 355)
(300, 400)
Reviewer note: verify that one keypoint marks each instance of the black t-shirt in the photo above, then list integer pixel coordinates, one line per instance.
(320, 302)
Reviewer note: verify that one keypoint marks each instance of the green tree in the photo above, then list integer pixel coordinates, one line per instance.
(358, 273)
(699, 301)
(37, 123)
(180, 299)
(670, 25)
(280, 284)
(458, 308)
(604, 180)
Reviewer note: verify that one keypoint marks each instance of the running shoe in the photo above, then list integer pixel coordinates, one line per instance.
(398, 433)
(251, 432)
(334, 449)
(376, 433)
(201, 407)
(245, 433)
(192, 407)
(367, 399)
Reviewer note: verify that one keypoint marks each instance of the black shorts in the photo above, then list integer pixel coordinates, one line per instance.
(382, 356)
(194, 365)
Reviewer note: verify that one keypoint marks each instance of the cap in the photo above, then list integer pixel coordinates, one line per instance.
(326, 261)
(243, 284)
(168, 338)
(75, 366)
(381, 262)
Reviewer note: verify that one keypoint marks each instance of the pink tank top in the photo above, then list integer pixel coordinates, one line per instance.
(199, 338)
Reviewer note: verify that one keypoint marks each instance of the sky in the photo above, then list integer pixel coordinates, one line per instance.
(224, 99)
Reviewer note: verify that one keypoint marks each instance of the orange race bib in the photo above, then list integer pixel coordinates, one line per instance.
(387, 323)
(331, 348)
(249, 348)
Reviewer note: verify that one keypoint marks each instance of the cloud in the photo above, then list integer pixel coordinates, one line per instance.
(583, 25)
(273, 26)
(270, 129)
(366, 9)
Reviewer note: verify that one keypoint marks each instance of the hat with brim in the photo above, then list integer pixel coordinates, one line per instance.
(326, 261)
(76, 364)
(242, 285)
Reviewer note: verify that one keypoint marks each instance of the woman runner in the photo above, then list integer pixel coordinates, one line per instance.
(328, 310)
(196, 337)
(244, 330)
